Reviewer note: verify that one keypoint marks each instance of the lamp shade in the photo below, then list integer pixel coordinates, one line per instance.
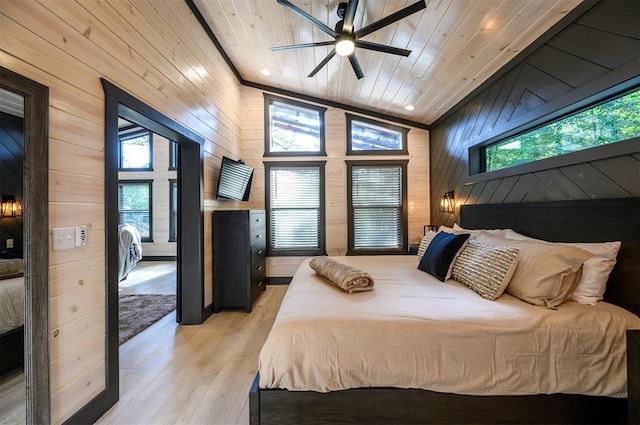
(447, 202)
(11, 207)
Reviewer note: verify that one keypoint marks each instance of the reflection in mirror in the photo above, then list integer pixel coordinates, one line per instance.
(12, 287)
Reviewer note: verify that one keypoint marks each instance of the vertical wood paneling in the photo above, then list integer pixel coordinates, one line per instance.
(158, 52)
(589, 49)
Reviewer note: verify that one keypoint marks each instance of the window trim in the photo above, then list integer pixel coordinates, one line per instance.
(149, 182)
(322, 240)
(476, 152)
(403, 163)
(173, 229)
(268, 99)
(173, 155)
(133, 135)
(403, 130)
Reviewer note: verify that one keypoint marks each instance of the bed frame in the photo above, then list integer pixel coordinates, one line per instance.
(11, 350)
(571, 221)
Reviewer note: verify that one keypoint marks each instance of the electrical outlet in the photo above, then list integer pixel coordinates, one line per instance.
(9, 243)
(81, 235)
(63, 238)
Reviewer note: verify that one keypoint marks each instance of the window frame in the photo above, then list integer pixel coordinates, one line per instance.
(173, 216)
(404, 150)
(322, 240)
(268, 100)
(476, 153)
(133, 135)
(149, 182)
(403, 250)
(173, 155)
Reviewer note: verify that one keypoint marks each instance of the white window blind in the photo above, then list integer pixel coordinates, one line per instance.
(376, 201)
(294, 198)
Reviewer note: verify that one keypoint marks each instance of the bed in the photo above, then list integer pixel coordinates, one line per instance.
(11, 314)
(582, 348)
(129, 250)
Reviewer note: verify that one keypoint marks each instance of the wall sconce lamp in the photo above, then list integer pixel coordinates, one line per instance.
(447, 202)
(11, 207)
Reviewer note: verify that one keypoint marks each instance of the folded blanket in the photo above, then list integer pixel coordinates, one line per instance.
(343, 276)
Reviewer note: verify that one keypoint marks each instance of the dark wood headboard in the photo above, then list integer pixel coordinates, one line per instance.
(597, 220)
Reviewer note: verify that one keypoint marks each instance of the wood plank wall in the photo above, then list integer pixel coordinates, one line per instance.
(157, 51)
(597, 50)
(336, 176)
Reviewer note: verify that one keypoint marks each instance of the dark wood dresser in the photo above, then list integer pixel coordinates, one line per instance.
(239, 268)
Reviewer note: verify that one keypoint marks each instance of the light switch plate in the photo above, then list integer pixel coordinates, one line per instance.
(81, 235)
(63, 238)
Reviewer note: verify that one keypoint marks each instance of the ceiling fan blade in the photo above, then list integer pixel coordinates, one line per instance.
(394, 17)
(331, 54)
(356, 65)
(349, 15)
(299, 46)
(382, 48)
(304, 15)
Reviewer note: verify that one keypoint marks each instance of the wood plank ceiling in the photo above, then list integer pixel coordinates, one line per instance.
(456, 45)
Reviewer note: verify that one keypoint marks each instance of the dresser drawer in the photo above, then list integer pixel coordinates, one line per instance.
(257, 219)
(257, 237)
(258, 253)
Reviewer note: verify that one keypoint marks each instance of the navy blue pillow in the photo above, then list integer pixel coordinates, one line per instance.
(441, 252)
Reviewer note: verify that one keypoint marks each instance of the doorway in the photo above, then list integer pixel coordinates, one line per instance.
(148, 232)
(190, 228)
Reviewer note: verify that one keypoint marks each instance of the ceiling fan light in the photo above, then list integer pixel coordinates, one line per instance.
(345, 47)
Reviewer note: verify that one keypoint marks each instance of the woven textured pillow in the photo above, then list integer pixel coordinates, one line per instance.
(487, 269)
(424, 243)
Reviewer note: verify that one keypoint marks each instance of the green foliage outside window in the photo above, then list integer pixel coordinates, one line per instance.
(609, 122)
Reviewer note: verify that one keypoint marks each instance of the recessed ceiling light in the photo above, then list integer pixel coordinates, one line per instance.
(265, 71)
(409, 107)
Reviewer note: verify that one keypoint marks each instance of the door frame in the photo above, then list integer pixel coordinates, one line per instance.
(190, 241)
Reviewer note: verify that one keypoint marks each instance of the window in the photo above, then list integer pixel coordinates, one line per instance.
(369, 137)
(173, 155)
(135, 149)
(377, 206)
(609, 122)
(293, 128)
(173, 210)
(134, 206)
(295, 208)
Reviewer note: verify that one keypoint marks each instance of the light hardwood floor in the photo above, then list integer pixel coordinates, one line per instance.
(198, 374)
(12, 394)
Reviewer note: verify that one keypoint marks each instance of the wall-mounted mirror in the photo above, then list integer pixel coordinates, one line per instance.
(24, 264)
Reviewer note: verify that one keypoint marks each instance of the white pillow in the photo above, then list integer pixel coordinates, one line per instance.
(546, 273)
(595, 271)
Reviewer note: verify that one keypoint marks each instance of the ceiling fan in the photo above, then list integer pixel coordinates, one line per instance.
(346, 37)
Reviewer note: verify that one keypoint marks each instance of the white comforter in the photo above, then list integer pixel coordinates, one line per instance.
(413, 331)
(11, 303)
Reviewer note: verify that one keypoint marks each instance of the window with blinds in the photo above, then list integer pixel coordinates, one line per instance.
(295, 208)
(377, 207)
(134, 206)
